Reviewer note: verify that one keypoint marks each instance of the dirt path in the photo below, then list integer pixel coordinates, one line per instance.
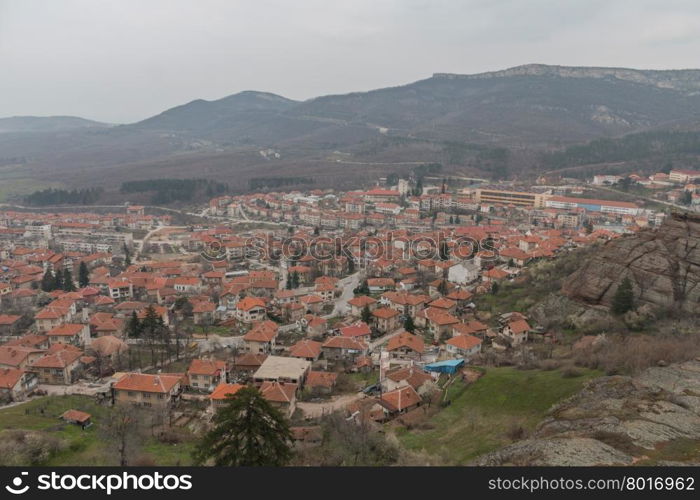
(317, 410)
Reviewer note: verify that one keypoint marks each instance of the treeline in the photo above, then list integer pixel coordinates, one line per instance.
(275, 182)
(171, 190)
(64, 197)
(627, 148)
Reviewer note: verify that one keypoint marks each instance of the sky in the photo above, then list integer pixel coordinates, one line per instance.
(121, 61)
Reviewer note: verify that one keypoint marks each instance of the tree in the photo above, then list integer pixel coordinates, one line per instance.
(366, 314)
(68, 284)
(623, 300)
(83, 275)
(133, 326)
(121, 430)
(409, 325)
(58, 280)
(444, 250)
(48, 281)
(442, 287)
(127, 256)
(295, 279)
(248, 431)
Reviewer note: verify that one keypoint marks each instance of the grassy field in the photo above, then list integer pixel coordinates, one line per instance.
(482, 416)
(83, 447)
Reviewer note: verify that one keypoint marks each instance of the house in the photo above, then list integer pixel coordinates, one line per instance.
(358, 331)
(261, 338)
(309, 350)
(379, 285)
(246, 364)
(517, 331)
(444, 304)
(463, 346)
(408, 304)
(9, 324)
(398, 401)
(281, 369)
(386, 319)
(19, 356)
(281, 395)
(59, 365)
(358, 304)
(250, 309)
(16, 383)
(406, 376)
(321, 382)
(147, 390)
(340, 347)
(312, 303)
(437, 321)
(203, 312)
(222, 393)
(77, 417)
(77, 334)
(206, 374)
(405, 345)
(315, 326)
(463, 273)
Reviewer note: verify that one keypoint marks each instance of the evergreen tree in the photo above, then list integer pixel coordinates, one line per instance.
(623, 300)
(442, 287)
(58, 280)
(366, 314)
(133, 326)
(83, 275)
(295, 279)
(457, 219)
(68, 284)
(494, 287)
(444, 250)
(48, 281)
(409, 325)
(248, 431)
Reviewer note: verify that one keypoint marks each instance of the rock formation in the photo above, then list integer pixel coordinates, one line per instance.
(614, 420)
(663, 265)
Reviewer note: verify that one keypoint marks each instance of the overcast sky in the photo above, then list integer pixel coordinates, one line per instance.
(124, 60)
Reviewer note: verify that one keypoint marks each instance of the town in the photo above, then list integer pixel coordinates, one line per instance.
(368, 304)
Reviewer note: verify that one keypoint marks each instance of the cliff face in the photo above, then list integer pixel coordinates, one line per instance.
(663, 265)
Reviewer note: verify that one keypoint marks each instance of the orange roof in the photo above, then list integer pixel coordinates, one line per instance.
(321, 379)
(9, 377)
(66, 330)
(406, 339)
(464, 341)
(278, 392)
(248, 303)
(143, 382)
(206, 367)
(340, 342)
(224, 390)
(76, 416)
(362, 301)
(519, 326)
(385, 313)
(305, 349)
(358, 329)
(59, 359)
(400, 399)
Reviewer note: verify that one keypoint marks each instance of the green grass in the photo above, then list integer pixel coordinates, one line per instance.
(83, 447)
(480, 416)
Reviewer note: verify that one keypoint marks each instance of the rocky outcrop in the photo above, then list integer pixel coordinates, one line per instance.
(613, 420)
(663, 265)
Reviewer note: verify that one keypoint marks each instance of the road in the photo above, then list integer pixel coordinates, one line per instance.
(317, 410)
(348, 284)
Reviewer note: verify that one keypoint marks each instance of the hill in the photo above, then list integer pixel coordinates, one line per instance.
(514, 122)
(46, 124)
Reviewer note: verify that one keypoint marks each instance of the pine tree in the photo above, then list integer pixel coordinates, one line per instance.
(48, 281)
(58, 280)
(248, 431)
(83, 275)
(68, 284)
(409, 325)
(133, 326)
(623, 300)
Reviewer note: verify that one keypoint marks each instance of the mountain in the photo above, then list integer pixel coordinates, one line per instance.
(46, 124)
(495, 124)
(663, 266)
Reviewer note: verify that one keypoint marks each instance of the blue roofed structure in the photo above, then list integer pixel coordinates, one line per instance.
(449, 366)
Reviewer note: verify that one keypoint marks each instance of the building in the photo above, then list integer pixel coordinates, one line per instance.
(147, 390)
(463, 346)
(206, 374)
(517, 198)
(684, 176)
(592, 205)
(222, 393)
(281, 369)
